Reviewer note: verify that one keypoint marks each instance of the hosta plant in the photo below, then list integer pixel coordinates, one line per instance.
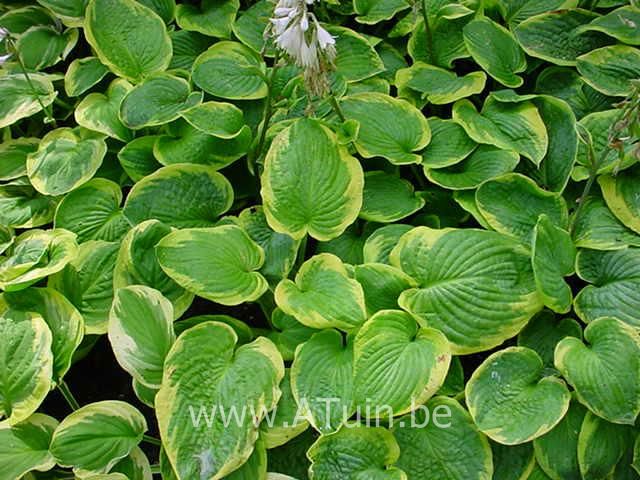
(319, 239)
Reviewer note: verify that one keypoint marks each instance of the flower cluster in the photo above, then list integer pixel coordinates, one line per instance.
(4, 33)
(298, 33)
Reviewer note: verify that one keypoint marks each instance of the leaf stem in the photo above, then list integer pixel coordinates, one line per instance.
(268, 113)
(302, 250)
(427, 32)
(152, 440)
(63, 388)
(336, 106)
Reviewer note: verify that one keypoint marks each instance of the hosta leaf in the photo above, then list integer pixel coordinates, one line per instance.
(322, 380)
(484, 163)
(186, 48)
(374, 11)
(43, 46)
(34, 255)
(93, 212)
(439, 86)
(137, 264)
(356, 452)
(544, 331)
(449, 144)
(241, 329)
(191, 196)
(382, 285)
(378, 246)
(135, 466)
(164, 8)
(610, 69)
(136, 157)
(26, 365)
(87, 281)
(310, 184)
(511, 401)
(159, 99)
(356, 59)
(512, 462)
(25, 446)
(397, 365)
(488, 275)
(231, 70)
(621, 24)
(605, 373)
(555, 36)
(596, 227)
(447, 42)
(70, 11)
(212, 17)
(18, 99)
(494, 48)
(615, 289)
(431, 450)
(141, 332)
(511, 204)
(228, 381)
(189, 256)
(323, 295)
(13, 157)
(286, 423)
(128, 37)
(557, 450)
(64, 321)
(249, 27)
(220, 119)
(21, 206)
(97, 435)
(389, 127)
(553, 258)
(82, 74)
(64, 161)
(6, 238)
(509, 126)
(387, 198)
(622, 194)
(288, 333)
(348, 246)
(516, 11)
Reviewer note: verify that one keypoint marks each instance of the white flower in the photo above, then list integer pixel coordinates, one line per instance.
(4, 33)
(4, 58)
(308, 56)
(325, 39)
(280, 24)
(291, 39)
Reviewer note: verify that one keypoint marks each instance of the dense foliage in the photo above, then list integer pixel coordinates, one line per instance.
(323, 239)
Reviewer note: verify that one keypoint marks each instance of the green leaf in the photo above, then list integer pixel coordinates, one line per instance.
(511, 204)
(495, 49)
(596, 227)
(92, 212)
(513, 462)
(488, 274)
(157, 100)
(34, 255)
(323, 295)
(19, 100)
(357, 452)
(437, 85)
(322, 380)
(555, 36)
(87, 281)
(13, 157)
(449, 144)
(544, 331)
(164, 8)
(389, 127)
(63, 319)
(310, 183)
(397, 365)
(388, 198)
(189, 256)
(25, 446)
(557, 450)
(622, 194)
(553, 258)
(70, 11)
(97, 435)
(509, 126)
(43, 46)
(26, 365)
(136, 157)
(231, 70)
(64, 161)
(212, 17)
(356, 59)
(286, 423)
(611, 69)
(245, 380)
(605, 373)
(128, 37)
(186, 48)
(621, 24)
(21, 206)
(141, 332)
(137, 264)
(382, 285)
(516, 11)
(428, 449)
(135, 466)
(288, 333)
(447, 42)
(82, 74)
(371, 12)
(511, 400)
(485, 163)
(380, 243)
(615, 279)
(220, 119)
(249, 27)
(180, 195)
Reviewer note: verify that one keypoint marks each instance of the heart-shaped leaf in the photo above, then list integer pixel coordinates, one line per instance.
(510, 399)
(20, 98)
(449, 144)
(622, 195)
(220, 119)
(379, 244)
(82, 74)
(611, 69)
(245, 381)
(136, 157)
(621, 24)
(387, 198)
(544, 331)
(211, 17)
(382, 285)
